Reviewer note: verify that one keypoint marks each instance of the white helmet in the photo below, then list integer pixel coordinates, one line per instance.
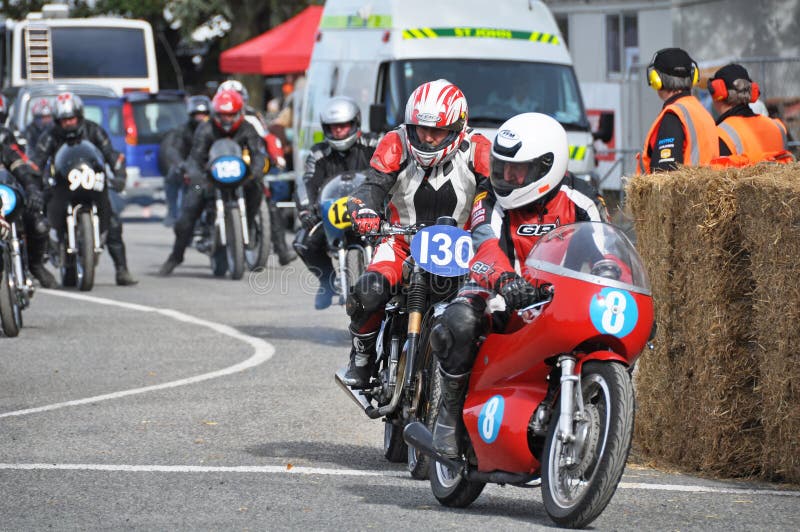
(235, 85)
(438, 104)
(341, 110)
(529, 159)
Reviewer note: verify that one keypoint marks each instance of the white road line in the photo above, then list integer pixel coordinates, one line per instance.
(303, 470)
(263, 351)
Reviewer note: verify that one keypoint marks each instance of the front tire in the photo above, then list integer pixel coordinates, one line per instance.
(394, 447)
(235, 242)
(257, 253)
(86, 258)
(451, 489)
(353, 267)
(574, 495)
(10, 312)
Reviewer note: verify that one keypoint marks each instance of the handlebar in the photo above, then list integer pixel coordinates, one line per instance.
(545, 296)
(388, 229)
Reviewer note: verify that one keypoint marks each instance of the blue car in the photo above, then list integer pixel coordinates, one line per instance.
(137, 123)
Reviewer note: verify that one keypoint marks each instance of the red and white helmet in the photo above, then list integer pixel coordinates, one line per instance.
(438, 104)
(228, 110)
(41, 107)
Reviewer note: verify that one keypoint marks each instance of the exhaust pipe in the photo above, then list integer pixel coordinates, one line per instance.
(418, 436)
(356, 395)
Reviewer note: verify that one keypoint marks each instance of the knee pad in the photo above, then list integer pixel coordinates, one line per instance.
(441, 340)
(462, 320)
(370, 293)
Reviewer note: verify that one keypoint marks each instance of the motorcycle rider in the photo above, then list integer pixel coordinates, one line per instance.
(174, 150)
(431, 165)
(227, 121)
(42, 112)
(275, 152)
(345, 148)
(529, 194)
(34, 222)
(71, 128)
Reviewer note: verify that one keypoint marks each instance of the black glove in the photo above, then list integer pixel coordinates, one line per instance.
(308, 218)
(35, 198)
(517, 292)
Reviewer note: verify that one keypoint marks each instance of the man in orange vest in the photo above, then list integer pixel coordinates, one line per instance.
(684, 132)
(741, 131)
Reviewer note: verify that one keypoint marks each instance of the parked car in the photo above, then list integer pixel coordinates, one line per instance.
(137, 123)
(19, 115)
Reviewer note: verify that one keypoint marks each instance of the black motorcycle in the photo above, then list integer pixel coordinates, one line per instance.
(351, 251)
(16, 289)
(224, 232)
(80, 169)
(402, 388)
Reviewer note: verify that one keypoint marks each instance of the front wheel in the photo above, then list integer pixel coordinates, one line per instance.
(394, 447)
(353, 267)
(257, 252)
(235, 242)
(86, 258)
(10, 311)
(579, 478)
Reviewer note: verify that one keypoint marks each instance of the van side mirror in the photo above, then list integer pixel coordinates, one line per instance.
(605, 127)
(377, 118)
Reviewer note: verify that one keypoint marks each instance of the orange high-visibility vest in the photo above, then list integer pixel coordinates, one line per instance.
(753, 136)
(701, 143)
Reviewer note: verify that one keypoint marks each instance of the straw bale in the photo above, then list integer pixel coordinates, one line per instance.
(770, 224)
(697, 405)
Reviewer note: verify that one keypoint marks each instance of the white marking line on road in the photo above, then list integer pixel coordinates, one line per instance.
(263, 352)
(303, 470)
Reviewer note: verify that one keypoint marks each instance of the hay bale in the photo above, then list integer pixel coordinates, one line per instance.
(770, 225)
(697, 403)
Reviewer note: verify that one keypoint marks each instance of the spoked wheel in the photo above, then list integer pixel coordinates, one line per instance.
(257, 252)
(428, 403)
(235, 242)
(86, 257)
(451, 489)
(10, 311)
(579, 478)
(394, 447)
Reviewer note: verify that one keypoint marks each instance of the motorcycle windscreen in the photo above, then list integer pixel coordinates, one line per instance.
(80, 168)
(333, 204)
(591, 251)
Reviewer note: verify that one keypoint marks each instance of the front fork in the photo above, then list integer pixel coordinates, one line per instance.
(570, 396)
(24, 285)
(72, 217)
(219, 221)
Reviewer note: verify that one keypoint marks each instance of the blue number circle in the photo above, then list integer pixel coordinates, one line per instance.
(614, 311)
(442, 250)
(490, 418)
(228, 169)
(9, 199)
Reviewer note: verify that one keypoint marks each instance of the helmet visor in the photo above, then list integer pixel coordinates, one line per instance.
(508, 176)
(430, 139)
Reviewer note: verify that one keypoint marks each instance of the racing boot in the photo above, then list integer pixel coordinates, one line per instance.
(362, 359)
(36, 251)
(117, 252)
(448, 422)
(170, 264)
(278, 234)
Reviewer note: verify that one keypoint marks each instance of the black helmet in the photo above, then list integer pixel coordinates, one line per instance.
(198, 104)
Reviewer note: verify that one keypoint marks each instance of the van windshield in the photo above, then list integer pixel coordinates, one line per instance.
(495, 90)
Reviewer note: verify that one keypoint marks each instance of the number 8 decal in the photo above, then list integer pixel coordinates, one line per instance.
(614, 311)
(491, 418)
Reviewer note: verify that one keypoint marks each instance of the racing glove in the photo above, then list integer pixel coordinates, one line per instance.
(365, 220)
(35, 198)
(517, 292)
(308, 219)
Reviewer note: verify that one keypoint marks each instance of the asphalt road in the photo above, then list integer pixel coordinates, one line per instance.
(195, 403)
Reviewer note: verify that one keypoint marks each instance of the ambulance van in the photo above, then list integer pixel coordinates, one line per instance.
(506, 56)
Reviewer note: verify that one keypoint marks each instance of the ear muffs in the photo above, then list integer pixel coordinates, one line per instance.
(717, 89)
(653, 79)
(755, 92)
(695, 74)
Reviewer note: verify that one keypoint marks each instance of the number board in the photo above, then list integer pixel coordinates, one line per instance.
(86, 178)
(614, 311)
(228, 169)
(9, 199)
(338, 215)
(442, 250)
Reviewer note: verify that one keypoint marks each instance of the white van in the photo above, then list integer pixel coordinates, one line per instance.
(507, 57)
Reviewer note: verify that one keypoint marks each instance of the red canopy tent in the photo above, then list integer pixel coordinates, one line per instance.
(284, 49)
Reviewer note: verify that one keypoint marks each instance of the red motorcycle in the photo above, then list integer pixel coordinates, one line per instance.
(550, 401)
